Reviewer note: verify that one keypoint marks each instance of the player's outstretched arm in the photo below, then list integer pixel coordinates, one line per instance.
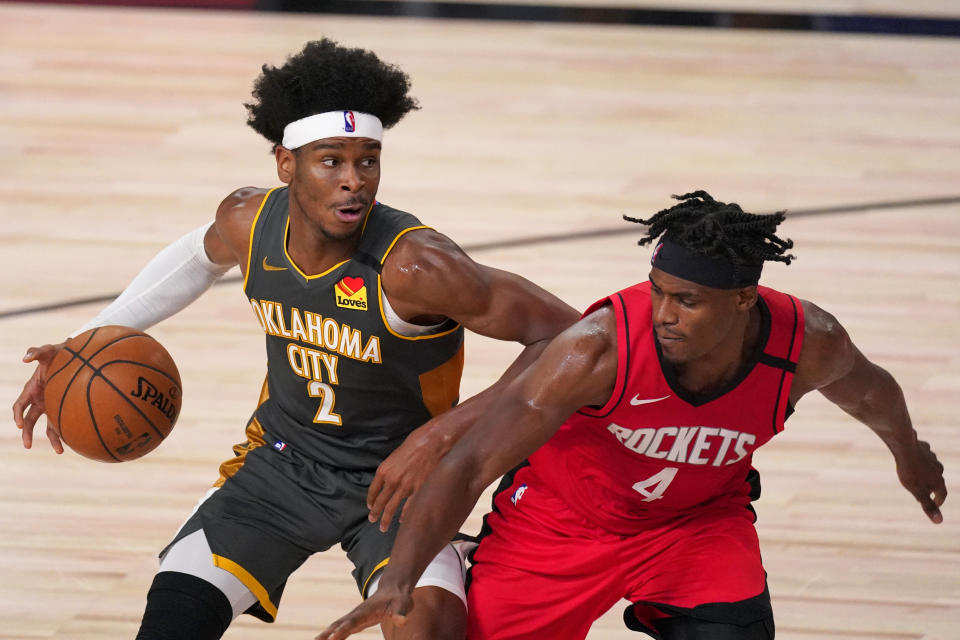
(173, 279)
(429, 276)
(577, 368)
(831, 363)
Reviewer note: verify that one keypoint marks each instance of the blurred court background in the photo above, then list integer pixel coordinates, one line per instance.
(122, 128)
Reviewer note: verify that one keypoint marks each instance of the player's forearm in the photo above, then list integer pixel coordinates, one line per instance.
(449, 427)
(528, 412)
(883, 409)
(497, 444)
(432, 519)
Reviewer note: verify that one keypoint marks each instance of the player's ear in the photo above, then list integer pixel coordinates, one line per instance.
(286, 163)
(746, 298)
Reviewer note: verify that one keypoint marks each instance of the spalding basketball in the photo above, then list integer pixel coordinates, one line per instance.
(113, 393)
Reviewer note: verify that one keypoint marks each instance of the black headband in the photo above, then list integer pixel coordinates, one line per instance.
(716, 273)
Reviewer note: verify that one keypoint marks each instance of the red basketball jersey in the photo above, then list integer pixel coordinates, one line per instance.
(655, 450)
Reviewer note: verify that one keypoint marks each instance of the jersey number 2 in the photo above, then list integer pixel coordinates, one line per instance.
(325, 414)
(659, 483)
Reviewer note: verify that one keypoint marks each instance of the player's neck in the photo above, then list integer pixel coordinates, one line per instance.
(717, 368)
(314, 251)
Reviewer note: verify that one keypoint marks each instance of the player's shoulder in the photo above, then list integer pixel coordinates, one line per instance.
(242, 200)
(593, 339)
(235, 217)
(600, 319)
(423, 250)
(826, 347)
(427, 269)
(819, 324)
(240, 207)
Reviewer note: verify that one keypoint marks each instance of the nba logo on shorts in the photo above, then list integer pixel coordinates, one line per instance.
(515, 498)
(349, 122)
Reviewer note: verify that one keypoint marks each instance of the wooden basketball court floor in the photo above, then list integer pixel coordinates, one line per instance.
(122, 129)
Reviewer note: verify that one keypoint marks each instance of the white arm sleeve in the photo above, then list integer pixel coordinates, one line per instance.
(173, 279)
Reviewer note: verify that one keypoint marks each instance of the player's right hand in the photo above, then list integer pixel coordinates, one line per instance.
(29, 405)
(381, 606)
(403, 473)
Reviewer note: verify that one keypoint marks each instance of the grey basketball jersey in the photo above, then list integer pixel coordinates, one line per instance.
(342, 386)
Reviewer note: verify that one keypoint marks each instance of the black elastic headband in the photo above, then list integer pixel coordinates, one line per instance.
(717, 273)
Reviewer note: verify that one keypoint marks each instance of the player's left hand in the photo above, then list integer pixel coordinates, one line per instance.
(30, 405)
(402, 474)
(381, 606)
(922, 475)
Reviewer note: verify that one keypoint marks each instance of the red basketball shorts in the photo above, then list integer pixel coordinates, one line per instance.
(543, 571)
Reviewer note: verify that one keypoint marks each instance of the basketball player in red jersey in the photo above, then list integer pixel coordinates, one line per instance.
(364, 310)
(638, 424)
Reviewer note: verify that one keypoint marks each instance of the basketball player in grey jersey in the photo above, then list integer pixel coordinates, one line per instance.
(324, 111)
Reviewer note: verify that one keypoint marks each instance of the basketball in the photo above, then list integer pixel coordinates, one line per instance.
(113, 393)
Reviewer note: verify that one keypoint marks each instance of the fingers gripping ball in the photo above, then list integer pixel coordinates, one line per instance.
(113, 393)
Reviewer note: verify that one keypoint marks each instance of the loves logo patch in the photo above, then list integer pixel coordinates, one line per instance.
(351, 293)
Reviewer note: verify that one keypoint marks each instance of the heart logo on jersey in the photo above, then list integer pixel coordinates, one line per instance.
(351, 293)
(350, 285)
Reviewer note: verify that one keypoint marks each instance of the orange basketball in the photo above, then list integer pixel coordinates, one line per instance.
(113, 393)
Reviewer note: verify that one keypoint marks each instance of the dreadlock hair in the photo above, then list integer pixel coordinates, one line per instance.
(719, 230)
(325, 76)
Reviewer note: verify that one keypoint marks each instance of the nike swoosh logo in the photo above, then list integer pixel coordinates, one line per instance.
(635, 400)
(270, 267)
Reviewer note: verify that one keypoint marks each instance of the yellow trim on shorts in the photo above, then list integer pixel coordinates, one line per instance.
(248, 581)
(366, 583)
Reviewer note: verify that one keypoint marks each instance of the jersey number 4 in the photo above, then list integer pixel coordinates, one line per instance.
(325, 414)
(654, 487)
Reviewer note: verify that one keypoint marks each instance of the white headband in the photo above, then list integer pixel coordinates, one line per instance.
(332, 124)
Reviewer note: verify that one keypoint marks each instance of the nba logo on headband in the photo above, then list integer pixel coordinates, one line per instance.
(656, 252)
(332, 124)
(349, 122)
